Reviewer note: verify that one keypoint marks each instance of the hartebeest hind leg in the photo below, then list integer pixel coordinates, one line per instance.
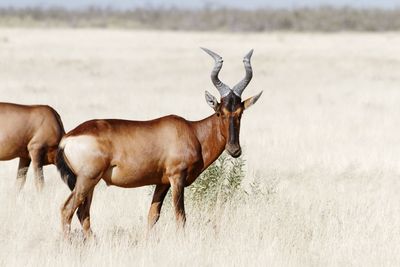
(84, 214)
(37, 163)
(83, 190)
(23, 167)
(178, 185)
(154, 213)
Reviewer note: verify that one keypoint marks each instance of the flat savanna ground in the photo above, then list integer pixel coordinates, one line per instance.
(323, 142)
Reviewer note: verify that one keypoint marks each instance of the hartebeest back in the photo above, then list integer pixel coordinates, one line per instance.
(169, 151)
(30, 133)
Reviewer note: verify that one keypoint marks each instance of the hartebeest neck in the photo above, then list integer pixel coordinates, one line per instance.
(209, 133)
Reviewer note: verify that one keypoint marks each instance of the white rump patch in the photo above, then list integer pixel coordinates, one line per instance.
(80, 152)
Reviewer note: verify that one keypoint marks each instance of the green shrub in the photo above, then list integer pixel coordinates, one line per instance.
(219, 183)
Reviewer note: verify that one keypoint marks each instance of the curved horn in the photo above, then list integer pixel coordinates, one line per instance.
(239, 88)
(222, 88)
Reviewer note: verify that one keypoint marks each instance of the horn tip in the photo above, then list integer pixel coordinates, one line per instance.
(258, 95)
(205, 50)
(208, 51)
(212, 54)
(248, 55)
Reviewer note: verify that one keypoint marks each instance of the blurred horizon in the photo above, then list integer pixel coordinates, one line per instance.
(198, 4)
(204, 15)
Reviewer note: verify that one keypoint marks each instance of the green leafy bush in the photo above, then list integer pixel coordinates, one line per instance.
(219, 183)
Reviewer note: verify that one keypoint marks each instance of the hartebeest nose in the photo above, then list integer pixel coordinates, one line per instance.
(237, 153)
(234, 151)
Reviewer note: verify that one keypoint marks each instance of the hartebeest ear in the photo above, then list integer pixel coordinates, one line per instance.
(252, 100)
(212, 101)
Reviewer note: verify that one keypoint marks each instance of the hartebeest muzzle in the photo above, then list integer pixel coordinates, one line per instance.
(234, 150)
(233, 144)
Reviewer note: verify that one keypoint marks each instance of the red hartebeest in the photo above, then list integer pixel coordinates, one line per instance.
(30, 133)
(168, 151)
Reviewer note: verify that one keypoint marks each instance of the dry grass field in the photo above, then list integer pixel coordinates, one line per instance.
(323, 142)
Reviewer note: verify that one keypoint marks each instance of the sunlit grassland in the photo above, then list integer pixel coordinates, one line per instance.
(322, 144)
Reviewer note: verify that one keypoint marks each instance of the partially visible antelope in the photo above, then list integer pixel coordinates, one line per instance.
(32, 134)
(168, 151)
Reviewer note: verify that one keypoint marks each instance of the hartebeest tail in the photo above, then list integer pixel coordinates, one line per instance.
(67, 175)
(167, 152)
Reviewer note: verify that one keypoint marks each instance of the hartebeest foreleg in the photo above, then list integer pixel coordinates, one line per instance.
(84, 214)
(37, 157)
(154, 213)
(23, 167)
(178, 185)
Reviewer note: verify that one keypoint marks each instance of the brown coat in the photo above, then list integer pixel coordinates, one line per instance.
(31, 133)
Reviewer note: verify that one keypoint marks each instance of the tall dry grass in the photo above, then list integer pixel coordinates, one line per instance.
(322, 142)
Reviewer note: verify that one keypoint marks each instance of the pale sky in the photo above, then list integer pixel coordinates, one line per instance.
(252, 4)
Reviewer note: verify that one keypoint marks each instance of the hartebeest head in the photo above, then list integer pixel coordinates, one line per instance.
(231, 107)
